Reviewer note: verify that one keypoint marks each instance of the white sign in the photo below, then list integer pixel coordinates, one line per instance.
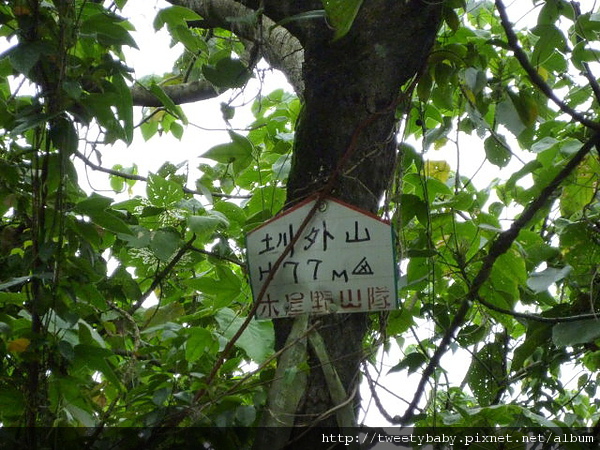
(343, 261)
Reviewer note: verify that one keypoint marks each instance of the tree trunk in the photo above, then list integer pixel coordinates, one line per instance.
(352, 91)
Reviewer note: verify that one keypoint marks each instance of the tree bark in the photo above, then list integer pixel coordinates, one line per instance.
(352, 89)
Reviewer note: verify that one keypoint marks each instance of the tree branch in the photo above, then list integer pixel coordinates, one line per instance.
(533, 74)
(221, 257)
(162, 274)
(130, 176)
(281, 49)
(537, 317)
(180, 93)
(500, 245)
(587, 72)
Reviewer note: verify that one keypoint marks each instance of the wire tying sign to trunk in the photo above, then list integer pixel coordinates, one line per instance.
(343, 261)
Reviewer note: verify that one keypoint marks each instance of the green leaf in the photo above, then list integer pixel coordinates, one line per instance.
(438, 134)
(227, 73)
(158, 316)
(200, 342)
(238, 152)
(451, 18)
(549, 13)
(167, 102)
(206, 224)
(538, 335)
(163, 193)
(89, 335)
(412, 206)
(550, 40)
(526, 105)
(507, 115)
(576, 195)
(543, 144)
(573, 333)
(474, 79)
(64, 136)
(496, 151)
(108, 30)
(176, 130)
(102, 107)
(117, 183)
(96, 358)
(508, 273)
(541, 281)
(96, 207)
(149, 128)
(82, 417)
(221, 291)
(124, 105)
(26, 54)
(399, 321)
(418, 273)
(257, 339)
(341, 15)
(111, 222)
(164, 244)
(231, 211)
(173, 16)
(486, 373)
(12, 401)
(14, 282)
(424, 87)
(139, 238)
(412, 362)
(13, 298)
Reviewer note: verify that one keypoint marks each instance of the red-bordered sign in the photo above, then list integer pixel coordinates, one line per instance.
(343, 261)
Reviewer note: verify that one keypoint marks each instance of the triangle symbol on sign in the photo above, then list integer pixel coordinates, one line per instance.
(363, 268)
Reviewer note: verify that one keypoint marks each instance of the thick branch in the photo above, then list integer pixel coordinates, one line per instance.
(277, 45)
(180, 93)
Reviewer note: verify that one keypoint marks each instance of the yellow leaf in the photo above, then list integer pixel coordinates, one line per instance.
(470, 96)
(157, 116)
(543, 73)
(18, 345)
(100, 400)
(440, 170)
(581, 191)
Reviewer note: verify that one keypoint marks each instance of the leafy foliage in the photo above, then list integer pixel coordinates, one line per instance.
(118, 311)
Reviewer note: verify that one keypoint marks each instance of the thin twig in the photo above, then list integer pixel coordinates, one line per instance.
(130, 176)
(537, 317)
(159, 278)
(230, 259)
(587, 72)
(375, 397)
